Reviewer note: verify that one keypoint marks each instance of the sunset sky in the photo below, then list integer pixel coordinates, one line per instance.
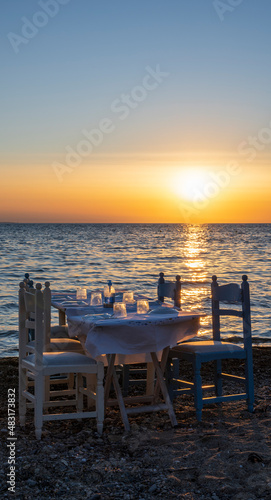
(135, 111)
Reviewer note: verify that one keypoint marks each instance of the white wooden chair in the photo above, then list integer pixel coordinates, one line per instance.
(39, 365)
(56, 337)
(57, 331)
(51, 343)
(198, 352)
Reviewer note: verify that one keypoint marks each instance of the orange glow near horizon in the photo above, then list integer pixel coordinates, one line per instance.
(137, 191)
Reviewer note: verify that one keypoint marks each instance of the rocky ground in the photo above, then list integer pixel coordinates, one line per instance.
(226, 457)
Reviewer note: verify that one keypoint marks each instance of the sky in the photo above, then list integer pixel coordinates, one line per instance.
(135, 111)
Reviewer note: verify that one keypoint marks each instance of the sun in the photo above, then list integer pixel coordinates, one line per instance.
(189, 182)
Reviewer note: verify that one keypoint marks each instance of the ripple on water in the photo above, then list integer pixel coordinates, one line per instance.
(133, 255)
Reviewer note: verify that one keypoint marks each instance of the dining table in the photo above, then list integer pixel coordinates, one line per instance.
(131, 339)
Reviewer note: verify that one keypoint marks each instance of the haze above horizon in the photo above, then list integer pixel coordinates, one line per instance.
(155, 112)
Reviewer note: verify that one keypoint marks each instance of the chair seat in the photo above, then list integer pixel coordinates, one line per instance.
(207, 346)
(62, 344)
(63, 359)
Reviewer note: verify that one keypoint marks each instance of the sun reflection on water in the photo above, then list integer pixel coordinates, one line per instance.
(194, 251)
(196, 282)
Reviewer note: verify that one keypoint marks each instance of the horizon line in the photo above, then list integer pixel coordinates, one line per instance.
(173, 223)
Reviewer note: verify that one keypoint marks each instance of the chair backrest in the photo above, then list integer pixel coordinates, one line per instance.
(29, 300)
(170, 289)
(35, 306)
(231, 293)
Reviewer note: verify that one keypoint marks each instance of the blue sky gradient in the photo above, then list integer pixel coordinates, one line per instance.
(65, 78)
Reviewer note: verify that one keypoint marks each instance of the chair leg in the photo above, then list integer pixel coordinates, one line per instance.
(218, 379)
(125, 379)
(168, 378)
(249, 384)
(22, 399)
(150, 379)
(197, 389)
(46, 390)
(91, 382)
(39, 398)
(100, 398)
(79, 395)
(172, 372)
(71, 381)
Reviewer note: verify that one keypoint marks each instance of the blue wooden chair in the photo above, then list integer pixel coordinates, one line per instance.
(198, 352)
(170, 289)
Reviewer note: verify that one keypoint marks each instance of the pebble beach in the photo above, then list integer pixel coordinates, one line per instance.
(225, 457)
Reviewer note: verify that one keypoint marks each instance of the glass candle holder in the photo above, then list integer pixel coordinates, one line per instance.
(119, 309)
(142, 306)
(81, 293)
(128, 297)
(96, 299)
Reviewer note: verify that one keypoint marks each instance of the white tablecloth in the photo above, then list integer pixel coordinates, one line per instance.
(131, 338)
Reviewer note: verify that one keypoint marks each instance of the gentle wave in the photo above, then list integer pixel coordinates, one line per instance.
(132, 255)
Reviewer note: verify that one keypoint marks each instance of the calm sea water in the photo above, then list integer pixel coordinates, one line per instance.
(132, 255)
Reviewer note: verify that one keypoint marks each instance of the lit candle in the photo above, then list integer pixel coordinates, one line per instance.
(128, 297)
(96, 299)
(81, 293)
(142, 307)
(119, 309)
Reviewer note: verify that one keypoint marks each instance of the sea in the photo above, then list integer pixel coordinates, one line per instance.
(132, 256)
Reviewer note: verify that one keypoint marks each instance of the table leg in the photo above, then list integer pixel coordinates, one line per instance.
(164, 390)
(111, 375)
(160, 385)
(120, 401)
(163, 366)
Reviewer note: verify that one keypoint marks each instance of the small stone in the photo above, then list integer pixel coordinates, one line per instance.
(31, 482)
(140, 487)
(114, 438)
(87, 446)
(153, 488)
